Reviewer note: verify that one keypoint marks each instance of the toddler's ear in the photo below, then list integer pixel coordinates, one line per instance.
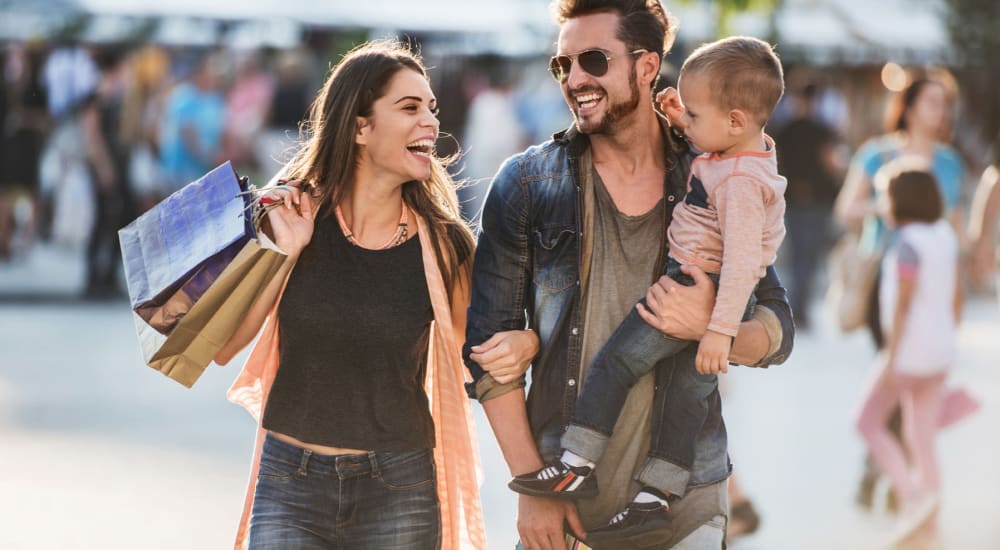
(739, 121)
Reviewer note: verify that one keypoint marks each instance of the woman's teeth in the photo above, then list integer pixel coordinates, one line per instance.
(421, 147)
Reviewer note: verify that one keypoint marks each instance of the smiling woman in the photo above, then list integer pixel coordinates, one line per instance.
(351, 450)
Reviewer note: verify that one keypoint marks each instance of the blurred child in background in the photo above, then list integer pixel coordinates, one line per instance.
(920, 302)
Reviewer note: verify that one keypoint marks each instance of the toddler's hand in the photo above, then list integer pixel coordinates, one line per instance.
(713, 353)
(670, 104)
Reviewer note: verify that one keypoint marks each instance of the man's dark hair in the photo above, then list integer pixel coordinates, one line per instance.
(645, 24)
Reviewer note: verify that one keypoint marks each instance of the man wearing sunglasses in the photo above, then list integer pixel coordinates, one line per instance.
(573, 234)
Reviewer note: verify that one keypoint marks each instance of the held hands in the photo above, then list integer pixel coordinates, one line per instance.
(540, 522)
(507, 355)
(677, 310)
(713, 353)
(670, 104)
(291, 224)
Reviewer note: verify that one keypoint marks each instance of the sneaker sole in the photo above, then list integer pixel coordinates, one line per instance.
(565, 495)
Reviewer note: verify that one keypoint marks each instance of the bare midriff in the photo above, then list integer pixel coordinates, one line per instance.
(318, 449)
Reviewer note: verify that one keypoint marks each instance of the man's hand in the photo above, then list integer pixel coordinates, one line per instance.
(713, 353)
(670, 104)
(540, 522)
(677, 310)
(507, 355)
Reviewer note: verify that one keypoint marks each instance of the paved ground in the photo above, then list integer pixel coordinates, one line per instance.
(100, 451)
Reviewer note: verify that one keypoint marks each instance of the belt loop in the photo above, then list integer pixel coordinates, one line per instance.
(304, 464)
(374, 464)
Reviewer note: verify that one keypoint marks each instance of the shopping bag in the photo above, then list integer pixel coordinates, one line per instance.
(214, 317)
(176, 250)
(853, 272)
(194, 267)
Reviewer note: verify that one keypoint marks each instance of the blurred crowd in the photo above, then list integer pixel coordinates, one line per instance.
(94, 135)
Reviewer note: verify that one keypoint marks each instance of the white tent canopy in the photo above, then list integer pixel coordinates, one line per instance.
(817, 31)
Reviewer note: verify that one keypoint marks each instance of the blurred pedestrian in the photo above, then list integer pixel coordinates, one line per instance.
(288, 107)
(247, 106)
(492, 133)
(29, 126)
(108, 161)
(808, 157)
(142, 113)
(70, 77)
(369, 309)
(918, 123)
(983, 220)
(191, 131)
(920, 298)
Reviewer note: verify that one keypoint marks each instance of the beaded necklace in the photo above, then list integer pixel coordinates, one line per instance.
(395, 240)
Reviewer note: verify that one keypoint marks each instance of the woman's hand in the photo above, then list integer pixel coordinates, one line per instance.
(507, 355)
(291, 223)
(677, 310)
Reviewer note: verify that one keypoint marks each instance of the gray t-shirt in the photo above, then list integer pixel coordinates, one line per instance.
(623, 263)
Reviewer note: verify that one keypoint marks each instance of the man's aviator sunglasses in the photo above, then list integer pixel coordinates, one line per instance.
(595, 62)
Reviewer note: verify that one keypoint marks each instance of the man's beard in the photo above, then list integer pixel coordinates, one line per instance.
(616, 112)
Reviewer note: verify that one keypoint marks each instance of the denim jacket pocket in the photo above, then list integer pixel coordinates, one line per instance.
(555, 258)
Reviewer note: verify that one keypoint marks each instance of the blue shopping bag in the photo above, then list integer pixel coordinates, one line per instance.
(175, 251)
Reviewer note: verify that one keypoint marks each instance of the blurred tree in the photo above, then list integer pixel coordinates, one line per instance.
(974, 26)
(726, 9)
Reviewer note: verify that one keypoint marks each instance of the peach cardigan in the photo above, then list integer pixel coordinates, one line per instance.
(456, 454)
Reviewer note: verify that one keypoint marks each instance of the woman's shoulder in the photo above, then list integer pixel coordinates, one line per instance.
(935, 234)
(876, 151)
(882, 144)
(947, 154)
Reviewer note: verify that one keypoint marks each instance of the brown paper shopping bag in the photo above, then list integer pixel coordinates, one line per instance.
(211, 321)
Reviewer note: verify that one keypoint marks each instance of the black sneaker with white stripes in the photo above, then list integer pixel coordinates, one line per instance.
(557, 479)
(642, 524)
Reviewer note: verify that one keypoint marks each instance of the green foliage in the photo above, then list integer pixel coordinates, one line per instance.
(726, 9)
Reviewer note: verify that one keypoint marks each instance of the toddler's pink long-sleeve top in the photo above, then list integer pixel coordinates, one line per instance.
(731, 223)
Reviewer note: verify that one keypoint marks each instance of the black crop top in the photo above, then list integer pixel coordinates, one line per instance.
(353, 334)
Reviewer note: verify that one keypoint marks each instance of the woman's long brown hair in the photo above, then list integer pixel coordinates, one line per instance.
(328, 156)
(901, 102)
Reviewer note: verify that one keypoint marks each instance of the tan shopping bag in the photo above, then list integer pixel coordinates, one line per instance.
(192, 344)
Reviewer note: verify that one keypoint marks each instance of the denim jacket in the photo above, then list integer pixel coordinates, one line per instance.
(529, 270)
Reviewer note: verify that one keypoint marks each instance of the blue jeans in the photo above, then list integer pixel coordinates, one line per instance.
(310, 501)
(681, 404)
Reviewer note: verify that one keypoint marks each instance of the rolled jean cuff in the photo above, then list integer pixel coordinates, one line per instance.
(584, 442)
(663, 475)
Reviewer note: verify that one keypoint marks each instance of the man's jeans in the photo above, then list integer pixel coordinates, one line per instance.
(709, 536)
(680, 407)
(385, 500)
